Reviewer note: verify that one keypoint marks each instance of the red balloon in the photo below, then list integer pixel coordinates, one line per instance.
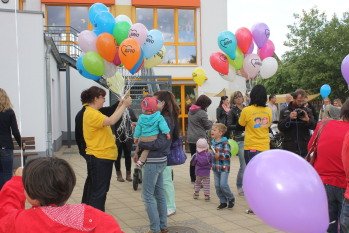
(219, 63)
(117, 60)
(244, 39)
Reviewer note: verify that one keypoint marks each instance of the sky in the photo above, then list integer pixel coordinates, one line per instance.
(277, 14)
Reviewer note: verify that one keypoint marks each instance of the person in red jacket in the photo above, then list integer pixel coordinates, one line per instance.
(47, 183)
(328, 162)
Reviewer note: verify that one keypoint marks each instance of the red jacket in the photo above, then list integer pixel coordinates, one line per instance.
(68, 218)
(329, 152)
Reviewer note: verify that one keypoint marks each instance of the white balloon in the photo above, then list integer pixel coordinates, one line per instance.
(109, 69)
(121, 18)
(268, 68)
(230, 76)
(116, 83)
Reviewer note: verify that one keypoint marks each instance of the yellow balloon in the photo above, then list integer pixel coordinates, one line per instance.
(156, 59)
(199, 76)
(116, 83)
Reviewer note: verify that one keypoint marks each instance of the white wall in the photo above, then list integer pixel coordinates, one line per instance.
(26, 88)
(32, 5)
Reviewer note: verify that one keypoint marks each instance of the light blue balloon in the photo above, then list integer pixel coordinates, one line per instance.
(325, 91)
(95, 9)
(104, 22)
(80, 67)
(153, 43)
(227, 43)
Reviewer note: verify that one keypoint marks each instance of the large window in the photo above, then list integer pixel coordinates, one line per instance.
(178, 27)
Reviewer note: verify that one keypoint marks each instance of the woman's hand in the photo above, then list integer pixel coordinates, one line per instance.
(127, 101)
(19, 171)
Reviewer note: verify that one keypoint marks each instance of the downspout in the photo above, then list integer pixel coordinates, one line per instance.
(49, 151)
(67, 75)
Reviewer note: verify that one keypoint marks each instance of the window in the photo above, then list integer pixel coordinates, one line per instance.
(79, 18)
(178, 27)
(55, 15)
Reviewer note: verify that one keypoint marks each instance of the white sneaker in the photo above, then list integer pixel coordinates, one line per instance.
(170, 212)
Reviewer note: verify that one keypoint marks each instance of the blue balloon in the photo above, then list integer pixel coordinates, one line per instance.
(325, 91)
(83, 71)
(95, 9)
(104, 22)
(227, 43)
(138, 64)
(153, 43)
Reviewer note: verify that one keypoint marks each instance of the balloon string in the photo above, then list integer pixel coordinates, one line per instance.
(18, 81)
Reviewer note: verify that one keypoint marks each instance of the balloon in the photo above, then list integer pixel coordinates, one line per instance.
(244, 39)
(234, 147)
(153, 43)
(83, 71)
(231, 75)
(252, 64)
(219, 63)
(199, 76)
(268, 68)
(129, 53)
(94, 10)
(138, 65)
(139, 32)
(156, 59)
(106, 46)
(116, 83)
(117, 60)
(123, 18)
(345, 68)
(120, 31)
(286, 192)
(227, 43)
(238, 61)
(260, 34)
(87, 41)
(109, 69)
(250, 50)
(104, 22)
(267, 50)
(97, 31)
(93, 63)
(325, 91)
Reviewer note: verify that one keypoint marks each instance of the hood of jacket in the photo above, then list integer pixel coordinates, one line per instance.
(149, 120)
(194, 109)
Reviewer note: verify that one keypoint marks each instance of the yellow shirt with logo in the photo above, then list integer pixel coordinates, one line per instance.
(257, 121)
(100, 140)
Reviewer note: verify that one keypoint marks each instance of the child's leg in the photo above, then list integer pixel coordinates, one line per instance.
(224, 185)
(206, 184)
(144, 156)
(197, 185)
(217, 185)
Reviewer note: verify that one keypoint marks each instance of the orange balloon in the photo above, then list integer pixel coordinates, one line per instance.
(129, 52)
(106, 46)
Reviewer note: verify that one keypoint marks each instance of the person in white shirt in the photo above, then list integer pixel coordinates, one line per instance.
(274, 109)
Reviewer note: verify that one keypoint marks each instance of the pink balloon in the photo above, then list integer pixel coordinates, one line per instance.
(117, 60)
(219, 63)
(139, 32)
(87, 41)
(252, 65)
(286, 192)
(267, 50)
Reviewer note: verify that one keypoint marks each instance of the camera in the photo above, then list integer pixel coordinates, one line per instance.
(300, 113)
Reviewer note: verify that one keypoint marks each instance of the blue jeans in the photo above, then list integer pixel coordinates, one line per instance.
(6, 163)
(242, 164)
(153, 194)
(344, 218)
(335, 198)
(222, 187)
(249, 154)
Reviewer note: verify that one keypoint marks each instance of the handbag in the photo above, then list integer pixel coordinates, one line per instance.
(312, 153)
(177, 155)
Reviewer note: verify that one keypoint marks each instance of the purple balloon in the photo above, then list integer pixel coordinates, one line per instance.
(260, 34)
(286, 192)
(345, 68)
(250, 49)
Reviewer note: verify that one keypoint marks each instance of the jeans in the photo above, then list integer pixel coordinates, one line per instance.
(240, 175)
(344, 218)
(249, 154)
(169, 189)
(125, 147)
(6, 164)
(335, 198)
(222, 187)
(100, 171)
(192, 148)
(153, 194)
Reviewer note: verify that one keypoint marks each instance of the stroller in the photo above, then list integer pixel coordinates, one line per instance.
(276, 137)
(137, 178)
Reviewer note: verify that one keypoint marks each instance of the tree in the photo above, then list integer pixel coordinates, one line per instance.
(317, 48)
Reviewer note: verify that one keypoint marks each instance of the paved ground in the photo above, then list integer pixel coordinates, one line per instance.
(126, 205)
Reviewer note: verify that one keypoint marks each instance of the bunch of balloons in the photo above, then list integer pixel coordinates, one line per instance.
(116, 41)
(238, 53)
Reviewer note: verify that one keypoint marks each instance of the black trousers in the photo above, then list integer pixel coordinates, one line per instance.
(192, 148)
(126, 148)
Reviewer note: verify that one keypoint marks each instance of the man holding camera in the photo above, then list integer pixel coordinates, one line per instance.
(295, 123)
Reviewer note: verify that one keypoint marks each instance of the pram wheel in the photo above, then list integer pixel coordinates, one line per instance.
(137, 177)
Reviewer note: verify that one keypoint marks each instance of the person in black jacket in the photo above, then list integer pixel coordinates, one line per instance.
(8, 124)
(222, 110)
(295, 123)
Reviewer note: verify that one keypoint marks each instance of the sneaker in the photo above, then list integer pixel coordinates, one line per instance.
(196, 195)
(249, 211)
(207, 197)
(222, 206)
(165, 230)
(231, 203)
(241, 192)
(170, 212)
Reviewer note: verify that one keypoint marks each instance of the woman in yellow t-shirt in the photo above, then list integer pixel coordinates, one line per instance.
(101, 150)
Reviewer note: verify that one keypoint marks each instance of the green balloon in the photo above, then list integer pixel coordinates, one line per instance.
(93, 63)
(238, 62)
(121, 30)
(234, 147)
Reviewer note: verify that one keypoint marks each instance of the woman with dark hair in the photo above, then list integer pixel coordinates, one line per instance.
(198, 124)
(256, 118)
(328, 162)
(101, 150)
(237, 133)
(222, 110)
